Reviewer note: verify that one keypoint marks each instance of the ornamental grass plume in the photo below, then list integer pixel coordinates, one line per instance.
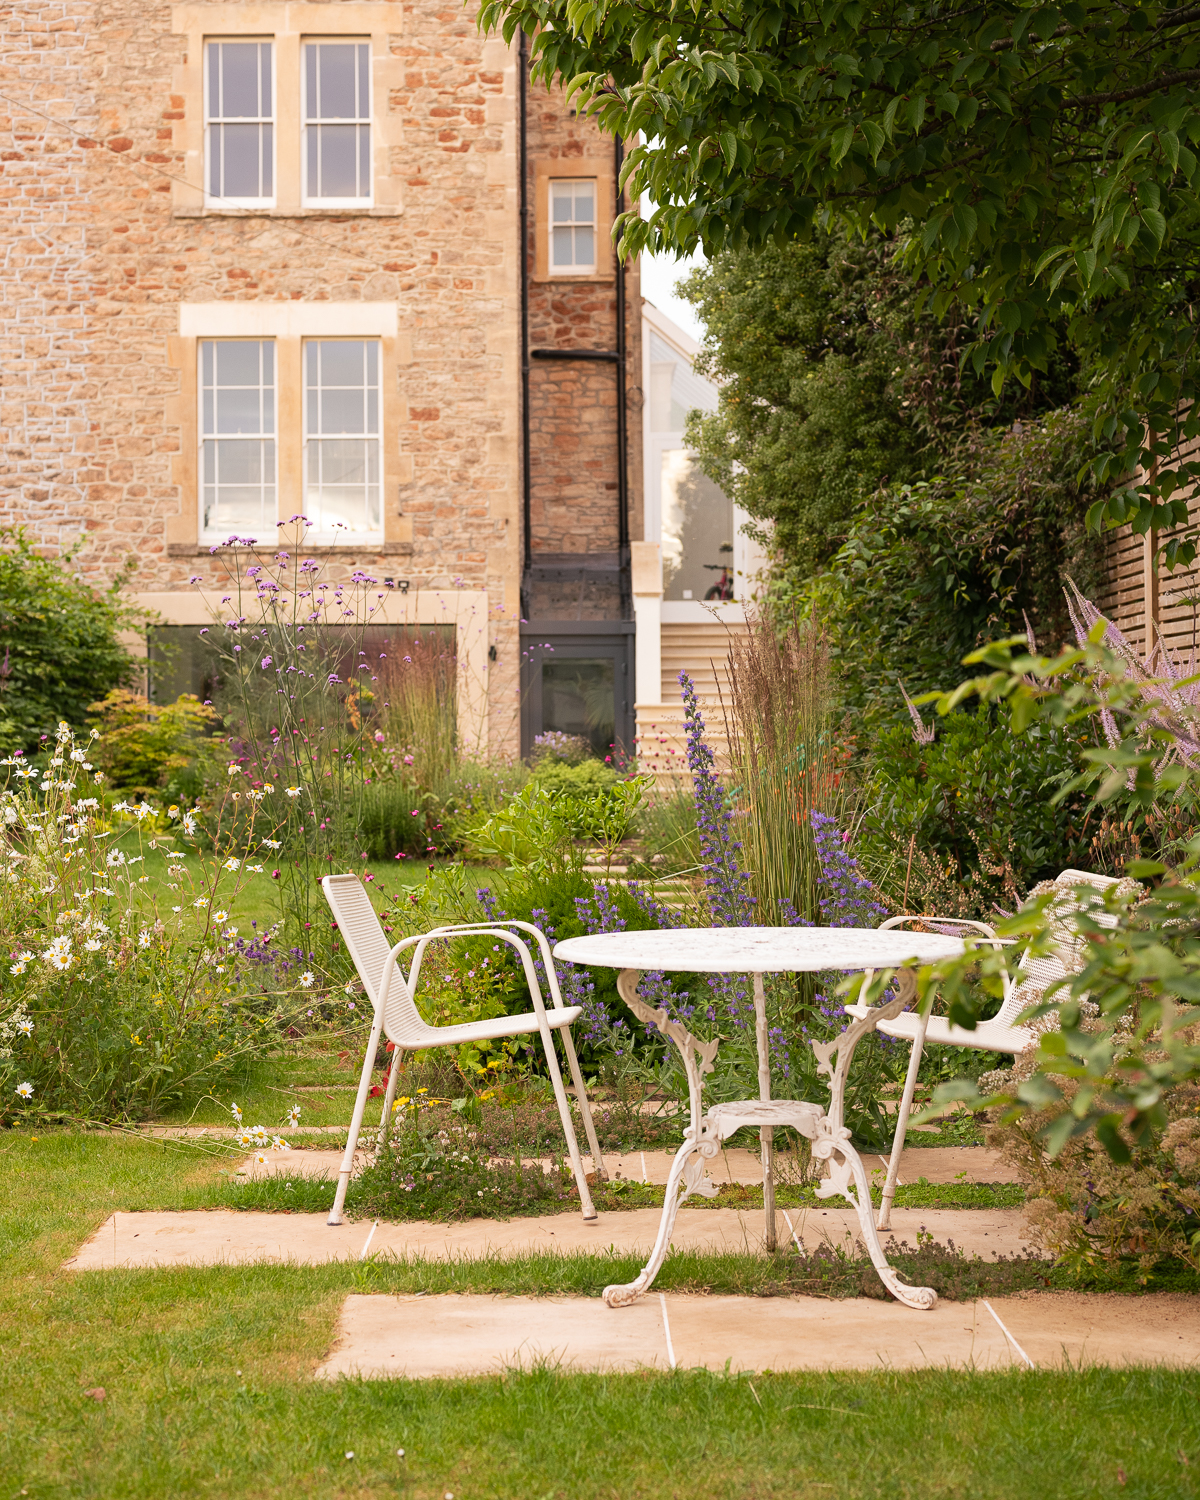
(784, 760)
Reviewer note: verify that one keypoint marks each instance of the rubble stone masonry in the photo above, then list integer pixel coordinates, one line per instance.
(106, 237)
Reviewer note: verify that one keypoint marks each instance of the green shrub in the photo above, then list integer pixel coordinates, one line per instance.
(60, 644)
(145, 747)
(979, 800)
(582, 779)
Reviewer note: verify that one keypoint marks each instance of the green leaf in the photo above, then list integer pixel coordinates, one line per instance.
(1112, 1141)
(839, 144)
(1048, 257)
(1155, 223)
(874, 138)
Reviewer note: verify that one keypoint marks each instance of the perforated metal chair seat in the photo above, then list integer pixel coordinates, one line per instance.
(985, 1038)
(416, 1038)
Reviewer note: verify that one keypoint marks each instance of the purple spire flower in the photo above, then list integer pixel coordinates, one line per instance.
(850, 898)
(728, 898)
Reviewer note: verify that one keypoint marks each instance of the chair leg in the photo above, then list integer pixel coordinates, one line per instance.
(385, 1120)
(360, 1104)
(564, 1112)
(585, 1108)
(902, 1114)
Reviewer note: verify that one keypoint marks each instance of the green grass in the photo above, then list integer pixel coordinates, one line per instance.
(315, 1195)
(208, 1392)
(256, 900)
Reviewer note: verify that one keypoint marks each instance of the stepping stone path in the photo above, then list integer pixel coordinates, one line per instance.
(234, 1237)
(449, 1336)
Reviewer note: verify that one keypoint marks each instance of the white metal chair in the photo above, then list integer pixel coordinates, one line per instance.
(999, 1034)
(396, 1015)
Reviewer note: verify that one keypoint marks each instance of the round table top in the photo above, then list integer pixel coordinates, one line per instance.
(758, 950)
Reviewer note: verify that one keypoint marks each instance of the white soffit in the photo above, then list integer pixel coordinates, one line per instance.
(282, 320)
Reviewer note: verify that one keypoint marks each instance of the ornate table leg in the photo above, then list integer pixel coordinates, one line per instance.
(766, 1133)
(833, 1137)
(685, 1178)
(849, 1178)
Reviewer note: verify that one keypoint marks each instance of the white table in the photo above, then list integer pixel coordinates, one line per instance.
(758, 951)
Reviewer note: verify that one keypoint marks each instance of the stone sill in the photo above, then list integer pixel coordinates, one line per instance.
(365, 549)
(380, 211)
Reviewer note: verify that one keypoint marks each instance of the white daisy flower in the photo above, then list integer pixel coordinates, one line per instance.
(25, 1090)
(293, 791)
(220, 916)
(92, 946)
(307, 980)
(232, 864)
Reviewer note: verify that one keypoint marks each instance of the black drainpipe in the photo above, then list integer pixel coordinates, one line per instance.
(526, 471)
(622, 427)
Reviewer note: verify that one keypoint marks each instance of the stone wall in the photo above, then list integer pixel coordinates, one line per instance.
(105, 240)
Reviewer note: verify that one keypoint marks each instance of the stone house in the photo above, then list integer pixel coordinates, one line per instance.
(342, 260)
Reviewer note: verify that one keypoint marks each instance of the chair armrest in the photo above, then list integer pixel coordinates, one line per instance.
(467, 928)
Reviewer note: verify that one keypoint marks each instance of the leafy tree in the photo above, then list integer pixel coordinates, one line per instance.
(808, 423)
(60, 645)
(832, 382)
(1043, 154)
(931, 570)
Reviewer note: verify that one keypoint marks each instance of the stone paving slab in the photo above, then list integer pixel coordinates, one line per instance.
(232, 1237)
(933, 1163)
(453, 1335)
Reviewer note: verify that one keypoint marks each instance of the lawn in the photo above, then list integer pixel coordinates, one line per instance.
(207, 1388)
(256, 902)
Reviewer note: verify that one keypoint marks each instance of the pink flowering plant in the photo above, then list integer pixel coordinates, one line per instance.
(125, 991)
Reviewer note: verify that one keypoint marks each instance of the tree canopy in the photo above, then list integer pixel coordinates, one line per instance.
(1043, 155)
(832, 383)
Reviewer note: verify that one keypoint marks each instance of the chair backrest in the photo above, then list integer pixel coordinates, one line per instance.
(368, 946)
(1067, 957)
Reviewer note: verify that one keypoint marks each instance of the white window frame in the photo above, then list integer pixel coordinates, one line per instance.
(329, 534)
(212, 200)
(208, 532)
(307, 200)
(574, 270)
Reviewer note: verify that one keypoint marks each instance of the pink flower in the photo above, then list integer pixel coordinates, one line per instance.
(266, 662)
